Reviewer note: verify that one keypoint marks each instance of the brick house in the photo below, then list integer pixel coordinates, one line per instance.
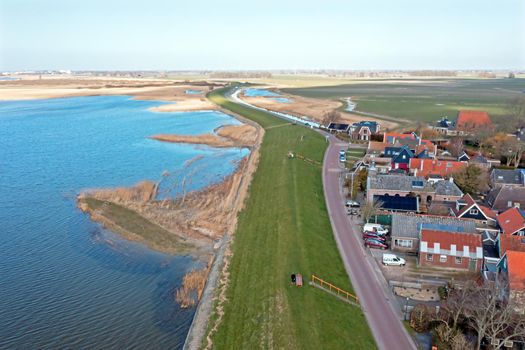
(449, 247)
(379, 185)
(427, 167)
(511, 275)
(469, 121)
(364, 130)
(406, 229)
(512, 222)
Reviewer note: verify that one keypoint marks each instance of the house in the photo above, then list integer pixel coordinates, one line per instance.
(512, 222)
(406, 229)
(450, 247)
(443, 126)
(463, 157)
(410, 186)
(511, 275)
(502, 198)
(402, 159)
(468, 208)
(470, 121)
(507, 177)
(428, 167)
(363, 130)
(510, 242)
(392, 137)
(338, 127)
(520, 134)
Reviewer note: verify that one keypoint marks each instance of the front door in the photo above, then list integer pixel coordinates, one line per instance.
(472, 264)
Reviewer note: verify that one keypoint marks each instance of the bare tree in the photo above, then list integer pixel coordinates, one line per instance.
(517, 112)
(455, 146)
(331, 117)
(370, 208)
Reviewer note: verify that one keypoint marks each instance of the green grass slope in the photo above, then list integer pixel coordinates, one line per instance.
(285, 228)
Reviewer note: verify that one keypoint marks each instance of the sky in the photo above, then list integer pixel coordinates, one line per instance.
(261, 35)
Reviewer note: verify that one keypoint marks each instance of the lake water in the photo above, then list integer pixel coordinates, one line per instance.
(66, 282)
(259, 92)
(281, 99)
(193, 92)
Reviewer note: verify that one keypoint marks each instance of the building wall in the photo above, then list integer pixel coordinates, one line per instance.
(413, 249)
(450, 263)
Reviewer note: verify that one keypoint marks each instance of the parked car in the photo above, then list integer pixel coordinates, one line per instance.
(393, 260)
(374, 243)
(352, 204)
(373, 235)
(375, 228)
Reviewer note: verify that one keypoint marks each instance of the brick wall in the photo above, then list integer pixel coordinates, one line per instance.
(449, 263)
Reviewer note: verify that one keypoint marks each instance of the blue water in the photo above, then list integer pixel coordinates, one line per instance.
(281, 99)
(193, 92)
(9, 78)
(259, 92)
(65, 281)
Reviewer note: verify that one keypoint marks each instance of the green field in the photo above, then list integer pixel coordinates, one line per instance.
(284, 228)
(425, 100)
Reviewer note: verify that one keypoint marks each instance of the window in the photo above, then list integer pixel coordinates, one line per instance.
(430, 257)
(405, 243)
(404, 156)
(443, 258)
(474, 212)
(509, 204)
(458, 260)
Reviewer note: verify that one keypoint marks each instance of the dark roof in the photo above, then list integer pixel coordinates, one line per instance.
(444, 122)
(507, 176)
(469, 203)
(489, 245)
(403, 149)
(408, 225)
(369, 124)
(500, 197)
(447, 188)
(399, 183)
(479, 159)
(463, 156)
(338, 126)
(397, 203)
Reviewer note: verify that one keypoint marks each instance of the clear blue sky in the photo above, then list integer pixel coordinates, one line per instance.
(251, 34)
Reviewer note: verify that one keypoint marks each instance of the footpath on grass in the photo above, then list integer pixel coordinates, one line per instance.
(284, 228)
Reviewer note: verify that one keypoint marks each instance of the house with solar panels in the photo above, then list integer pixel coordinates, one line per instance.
(402, 193)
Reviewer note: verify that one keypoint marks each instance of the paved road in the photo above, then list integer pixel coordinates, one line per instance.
(383, 320)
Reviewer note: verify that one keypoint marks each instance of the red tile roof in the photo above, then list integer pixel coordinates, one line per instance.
(511, 242)
(426, 167)
(397, 135)
(447, 238)
(472, 119)
(489, 213)
(515, 264)
(511, 220)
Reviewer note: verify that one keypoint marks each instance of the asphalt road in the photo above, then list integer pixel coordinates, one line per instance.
(383, 320)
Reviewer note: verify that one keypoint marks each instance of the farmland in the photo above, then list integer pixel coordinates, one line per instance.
(424, 100)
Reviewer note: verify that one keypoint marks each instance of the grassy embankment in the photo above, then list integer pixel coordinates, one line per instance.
(424, 100)
(284, 228)
(135, 227)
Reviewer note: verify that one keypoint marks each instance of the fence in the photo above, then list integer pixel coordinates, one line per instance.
(336, 290)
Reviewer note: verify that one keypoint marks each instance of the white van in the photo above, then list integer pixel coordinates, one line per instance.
(393, 260)
(370, 227)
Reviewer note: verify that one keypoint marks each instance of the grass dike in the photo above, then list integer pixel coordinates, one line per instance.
(284, 228)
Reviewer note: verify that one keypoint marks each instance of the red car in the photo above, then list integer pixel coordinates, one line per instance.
(373, 235)
(374, 243)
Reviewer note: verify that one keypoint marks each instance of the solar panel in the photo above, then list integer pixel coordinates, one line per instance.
(417, 183)
(397, 203)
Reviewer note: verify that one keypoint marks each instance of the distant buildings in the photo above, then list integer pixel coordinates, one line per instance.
(466, 122)
(364, 130)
